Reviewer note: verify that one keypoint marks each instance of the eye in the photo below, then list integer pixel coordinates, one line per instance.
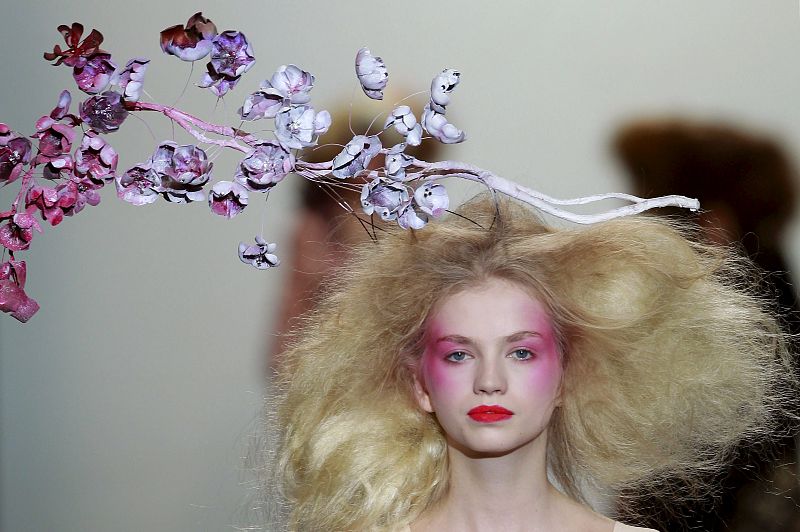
(521, 354)
(457, 356)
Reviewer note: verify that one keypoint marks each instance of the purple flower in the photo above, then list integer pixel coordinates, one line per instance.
(104, 113)
(355, 156)
(190, 43)
(385, 198)
(131, 79)
(95, 74)
(55, 139)
(437, 125)
(13, 299)
(15, 152)
(96, 159)
(372, 74)
(227, 199)
(183, 170)
(231, 56)
(409, 218)
(396, 162)
(432, 199)
(291, 82)
(52, 203)
(299, 125)
(139, 185)
(261, 256)
(16, 234)
(264, 103)
(441, 87)
(267, 165)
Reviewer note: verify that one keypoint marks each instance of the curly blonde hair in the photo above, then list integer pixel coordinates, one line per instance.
(670, 358)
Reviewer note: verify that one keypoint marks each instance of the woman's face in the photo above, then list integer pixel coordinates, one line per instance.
(490, 370)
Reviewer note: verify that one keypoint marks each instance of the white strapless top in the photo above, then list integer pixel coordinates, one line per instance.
(618, 527)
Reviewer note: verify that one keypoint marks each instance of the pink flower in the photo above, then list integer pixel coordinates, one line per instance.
(190, 43)
(96, 159)
(139, 185)
(51, 202)
(15, 153)
(183, 171)
(131, 79)
(231, 56)
(13, 299)
(227, 199)
(104, 113)
(17, 233)
(55, 139)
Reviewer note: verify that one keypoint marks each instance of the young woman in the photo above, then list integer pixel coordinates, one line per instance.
(484, 372)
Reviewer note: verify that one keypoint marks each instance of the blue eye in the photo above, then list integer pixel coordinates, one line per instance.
(457, 356)
(521, 354)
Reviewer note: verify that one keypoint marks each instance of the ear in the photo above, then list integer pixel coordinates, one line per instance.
(421, 394)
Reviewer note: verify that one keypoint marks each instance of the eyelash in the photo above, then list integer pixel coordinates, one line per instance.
(529, 355)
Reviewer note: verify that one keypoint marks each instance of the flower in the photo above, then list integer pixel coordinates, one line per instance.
(227, 199)
(77, 53)
(190, 43)
(55, 139)
(264, 103)
(402, 118)
(385, 198)
(15, 152)
(441, 87)
(77, 192)
(17, 232)
(409, 218)
(13, 299)
(104, 113)
(292, 83)
(437, 125)
(432, 199)
(94, 75)
(183, 171)
(261, 256)
(372, 74)
(297, 126)
(51, 202)
(396, 162)
(265, 166)
(132, 77)
(139, 185)
(95, 159)
(355, 156)
(231, 56)
(62, 107)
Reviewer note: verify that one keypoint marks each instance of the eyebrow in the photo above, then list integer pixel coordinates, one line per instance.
(458, 339)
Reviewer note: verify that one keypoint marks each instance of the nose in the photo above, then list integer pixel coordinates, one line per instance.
(490, 377)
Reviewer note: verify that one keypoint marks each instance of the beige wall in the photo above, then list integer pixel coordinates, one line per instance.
(124, 403)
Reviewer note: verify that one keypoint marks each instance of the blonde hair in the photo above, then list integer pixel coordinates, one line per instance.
(671, 359)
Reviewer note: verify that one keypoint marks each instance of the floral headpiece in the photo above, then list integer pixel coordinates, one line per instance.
(64, 175)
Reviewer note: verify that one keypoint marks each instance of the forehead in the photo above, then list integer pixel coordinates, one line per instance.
(495, 307)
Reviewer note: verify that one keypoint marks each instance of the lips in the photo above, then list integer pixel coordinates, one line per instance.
(489, 413)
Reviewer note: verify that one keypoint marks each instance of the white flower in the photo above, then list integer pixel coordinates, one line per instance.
(372, 74)
(441, 87)
(437, 125)
(296, 126)
(356, 156)
(292, 82)
(396, 162)
(386, 199)
(432, 199)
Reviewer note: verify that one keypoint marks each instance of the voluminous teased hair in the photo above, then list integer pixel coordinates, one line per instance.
(671, 359)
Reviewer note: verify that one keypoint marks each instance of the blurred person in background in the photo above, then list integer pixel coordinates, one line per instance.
(747, 190)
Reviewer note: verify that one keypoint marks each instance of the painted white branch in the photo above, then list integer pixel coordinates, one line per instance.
(440, 170)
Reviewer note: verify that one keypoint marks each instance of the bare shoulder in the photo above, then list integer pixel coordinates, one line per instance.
(622, 527)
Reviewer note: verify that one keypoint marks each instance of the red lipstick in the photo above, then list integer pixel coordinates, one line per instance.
(489, 413)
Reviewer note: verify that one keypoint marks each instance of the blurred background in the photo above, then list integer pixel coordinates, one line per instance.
(127, 401)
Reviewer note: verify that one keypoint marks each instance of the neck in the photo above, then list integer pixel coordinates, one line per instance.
(505, 492)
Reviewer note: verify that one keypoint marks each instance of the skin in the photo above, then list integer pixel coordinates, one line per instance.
(494, 344)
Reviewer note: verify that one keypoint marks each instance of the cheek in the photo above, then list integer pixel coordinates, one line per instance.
(544, 378)
(438, 374)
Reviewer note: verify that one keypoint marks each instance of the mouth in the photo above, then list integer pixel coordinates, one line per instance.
(489, 413)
